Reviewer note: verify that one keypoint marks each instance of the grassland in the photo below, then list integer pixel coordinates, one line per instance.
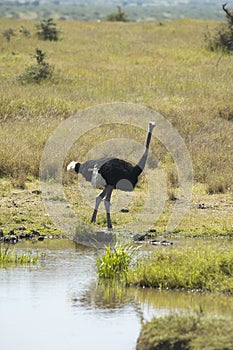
(164, 67)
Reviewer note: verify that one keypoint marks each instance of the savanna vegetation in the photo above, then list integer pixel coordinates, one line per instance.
(163, 67)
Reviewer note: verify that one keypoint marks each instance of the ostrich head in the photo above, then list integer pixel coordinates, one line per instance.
(151, 126)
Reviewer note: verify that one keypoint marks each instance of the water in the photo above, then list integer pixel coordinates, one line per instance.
(58, 304)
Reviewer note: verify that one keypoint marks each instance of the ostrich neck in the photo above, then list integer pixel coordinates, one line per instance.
(142, 162)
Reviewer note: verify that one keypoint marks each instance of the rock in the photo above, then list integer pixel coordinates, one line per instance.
(13, 239)
(152, 230)
(139, 237)
(124, 210)
(154, 242)
(35, 233)
(40, 238)
(201, 206)
(164, 242)
(37, 192)
(22, 228)
(28, 236)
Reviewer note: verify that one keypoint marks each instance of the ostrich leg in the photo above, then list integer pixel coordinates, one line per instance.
(98, 200)
(109, 190)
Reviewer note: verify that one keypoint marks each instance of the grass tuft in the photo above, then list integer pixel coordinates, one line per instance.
(10, 257)
(115, 263)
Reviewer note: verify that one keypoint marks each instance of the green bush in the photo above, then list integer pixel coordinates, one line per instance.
(222, 39)
(24, 31)
(47, 30)
(8, 33)
(119, 16)
(35, 73)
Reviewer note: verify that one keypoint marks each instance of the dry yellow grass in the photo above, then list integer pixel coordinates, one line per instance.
(163, 67)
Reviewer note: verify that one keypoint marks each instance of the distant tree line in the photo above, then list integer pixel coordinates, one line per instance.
(20, 3)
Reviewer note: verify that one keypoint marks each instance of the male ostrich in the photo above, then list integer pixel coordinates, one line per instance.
(111, 173)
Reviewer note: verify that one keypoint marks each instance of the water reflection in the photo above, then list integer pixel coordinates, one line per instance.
(59, 304)
(114, 296)
(105, 295)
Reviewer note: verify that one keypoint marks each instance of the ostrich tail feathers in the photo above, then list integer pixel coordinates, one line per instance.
(71, 166)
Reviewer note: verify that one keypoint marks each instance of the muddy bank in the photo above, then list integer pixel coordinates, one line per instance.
(22, 234)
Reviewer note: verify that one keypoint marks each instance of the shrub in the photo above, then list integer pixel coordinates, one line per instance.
(120, 16)
(47, 30)
(222, 39)
(35, 73)
(24, 31)
(8, 33)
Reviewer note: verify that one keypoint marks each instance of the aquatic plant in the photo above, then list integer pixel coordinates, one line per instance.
(9, 257)
(114, 263)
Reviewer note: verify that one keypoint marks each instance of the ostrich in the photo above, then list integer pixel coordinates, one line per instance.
(111, 173)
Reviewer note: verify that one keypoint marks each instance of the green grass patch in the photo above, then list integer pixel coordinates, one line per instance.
(11, 257)
(204, 267)
(187, 332)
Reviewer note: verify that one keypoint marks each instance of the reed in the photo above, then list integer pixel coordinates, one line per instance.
(114, 263)
(10, 257)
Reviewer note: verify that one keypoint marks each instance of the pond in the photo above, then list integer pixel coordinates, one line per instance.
(57, 304)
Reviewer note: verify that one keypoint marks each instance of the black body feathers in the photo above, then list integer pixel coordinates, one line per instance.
(116, 172)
